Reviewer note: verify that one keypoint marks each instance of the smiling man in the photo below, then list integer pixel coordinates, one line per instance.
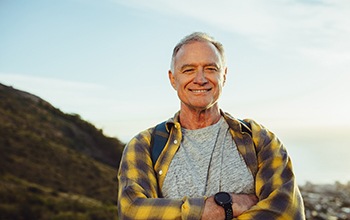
(212, 166)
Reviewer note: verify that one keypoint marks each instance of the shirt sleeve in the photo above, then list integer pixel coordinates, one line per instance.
(138, 196)
(275, 184)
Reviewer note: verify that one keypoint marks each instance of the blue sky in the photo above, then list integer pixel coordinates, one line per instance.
(107, 60)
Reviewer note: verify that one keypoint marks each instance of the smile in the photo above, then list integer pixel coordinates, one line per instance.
(200, 90)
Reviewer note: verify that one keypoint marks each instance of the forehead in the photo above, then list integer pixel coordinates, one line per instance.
(198, 52)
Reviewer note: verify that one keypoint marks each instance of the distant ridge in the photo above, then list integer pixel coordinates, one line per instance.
(57, 160)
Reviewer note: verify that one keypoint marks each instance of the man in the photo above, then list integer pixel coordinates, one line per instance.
(213, 166)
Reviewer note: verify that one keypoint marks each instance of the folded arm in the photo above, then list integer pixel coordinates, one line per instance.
(275, 184)
(138, 196)
(241, 203)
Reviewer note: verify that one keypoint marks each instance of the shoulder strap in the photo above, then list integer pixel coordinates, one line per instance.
(159, 138)
(246, 127)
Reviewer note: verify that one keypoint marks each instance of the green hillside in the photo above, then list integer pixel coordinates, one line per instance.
(53, 165)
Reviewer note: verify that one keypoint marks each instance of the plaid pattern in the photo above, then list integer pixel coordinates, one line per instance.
(140, 182)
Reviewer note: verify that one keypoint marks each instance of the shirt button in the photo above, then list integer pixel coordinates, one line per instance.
(175, 141)
(160, 172)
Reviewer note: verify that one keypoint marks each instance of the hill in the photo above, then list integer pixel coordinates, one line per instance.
(53, 165)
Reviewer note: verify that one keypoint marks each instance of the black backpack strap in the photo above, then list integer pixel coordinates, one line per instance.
(246, 127)
(159, 138)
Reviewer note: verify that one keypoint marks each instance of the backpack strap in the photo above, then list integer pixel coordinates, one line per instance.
(246, 127)
(159, 138)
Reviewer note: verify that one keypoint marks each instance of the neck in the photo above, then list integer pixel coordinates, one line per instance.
(194, 119)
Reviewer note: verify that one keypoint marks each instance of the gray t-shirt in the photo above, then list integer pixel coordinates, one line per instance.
(207, 162)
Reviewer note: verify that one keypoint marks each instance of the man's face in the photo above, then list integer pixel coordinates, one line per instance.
(198, 76)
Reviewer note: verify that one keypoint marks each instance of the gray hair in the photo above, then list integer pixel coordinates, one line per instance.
(198, 37)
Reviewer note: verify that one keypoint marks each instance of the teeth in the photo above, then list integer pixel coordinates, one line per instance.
(198, 91)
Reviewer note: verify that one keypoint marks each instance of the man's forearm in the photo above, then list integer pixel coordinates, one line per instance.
(240, 204)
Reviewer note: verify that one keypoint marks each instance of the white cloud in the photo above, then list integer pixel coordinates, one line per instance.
(307, 27)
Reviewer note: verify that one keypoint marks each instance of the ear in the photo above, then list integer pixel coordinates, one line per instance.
(225, 73)
(172, 79)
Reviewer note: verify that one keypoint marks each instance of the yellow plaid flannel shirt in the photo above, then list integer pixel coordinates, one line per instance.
(140, 181)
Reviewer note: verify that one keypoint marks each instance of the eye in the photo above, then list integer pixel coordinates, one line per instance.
(211, 69)
(188, 71)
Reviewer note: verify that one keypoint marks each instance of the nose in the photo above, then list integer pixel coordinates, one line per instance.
(200, 77)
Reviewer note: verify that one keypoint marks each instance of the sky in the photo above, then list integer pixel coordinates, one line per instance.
(107, 60)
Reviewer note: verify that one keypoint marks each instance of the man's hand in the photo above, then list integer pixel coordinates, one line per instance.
(212, 211)
(241, 203)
